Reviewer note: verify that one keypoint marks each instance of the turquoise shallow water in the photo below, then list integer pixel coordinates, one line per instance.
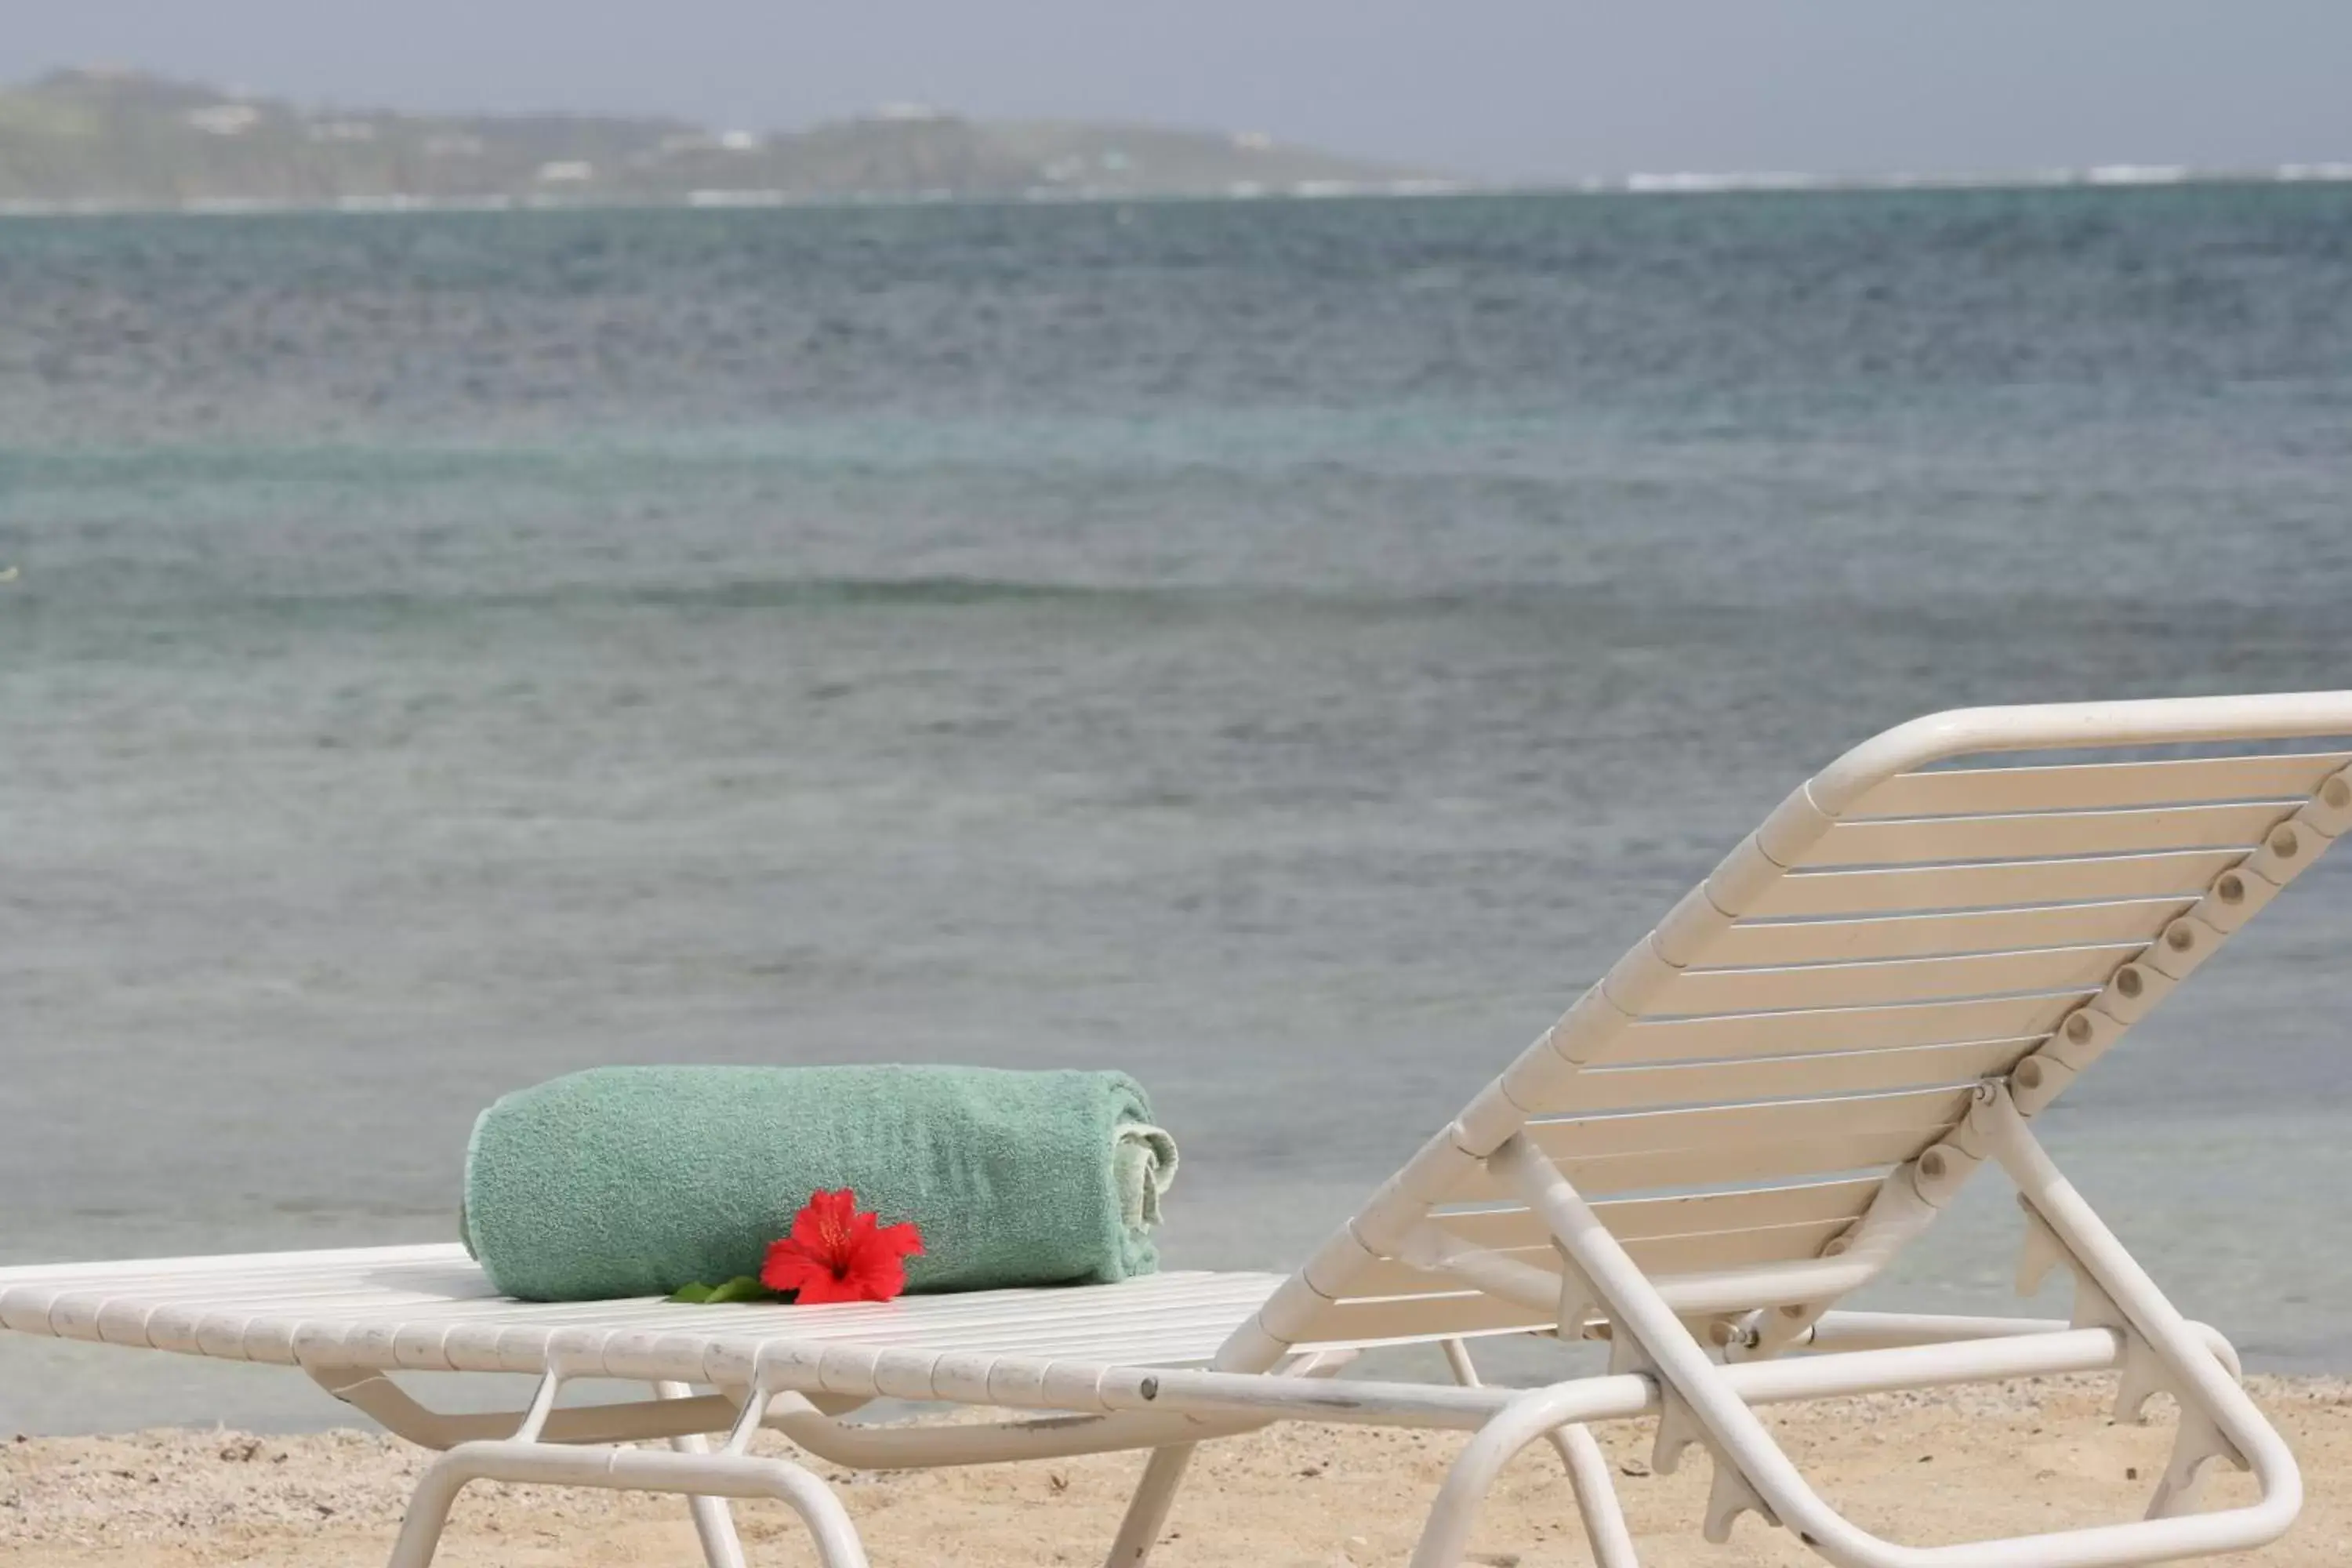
(1285, 650)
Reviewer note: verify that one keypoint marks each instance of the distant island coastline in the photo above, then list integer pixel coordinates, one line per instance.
(110, 141)
(101, 141)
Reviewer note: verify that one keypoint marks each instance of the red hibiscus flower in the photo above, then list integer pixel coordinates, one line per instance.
(837, 1253)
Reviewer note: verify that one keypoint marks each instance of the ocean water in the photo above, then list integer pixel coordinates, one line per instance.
(1285, 649)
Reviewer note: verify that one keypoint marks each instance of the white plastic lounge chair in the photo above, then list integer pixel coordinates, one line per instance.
(1762, 1103)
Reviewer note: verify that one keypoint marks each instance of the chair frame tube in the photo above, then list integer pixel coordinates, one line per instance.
(1718, 1399)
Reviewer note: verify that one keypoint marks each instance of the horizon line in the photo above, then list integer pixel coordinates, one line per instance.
(2108, 176)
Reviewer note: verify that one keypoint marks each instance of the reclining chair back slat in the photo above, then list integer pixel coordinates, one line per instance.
(1361, 1320)
(1946, 840)
(1791, 1076)
(1756, 944)
(1636, 1220)
(1723, 1163)
(2082, 786)
(1884, 981)
(2176, 873)
(1714, 1126)
(1670, 1235)
(1802, 1031)
(1657, 1255)
(1944, 927)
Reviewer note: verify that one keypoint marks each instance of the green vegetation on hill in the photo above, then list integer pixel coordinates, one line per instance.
(110, 139)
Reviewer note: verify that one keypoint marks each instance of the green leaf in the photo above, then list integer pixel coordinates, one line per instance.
(693, 1294)
(742, 1288)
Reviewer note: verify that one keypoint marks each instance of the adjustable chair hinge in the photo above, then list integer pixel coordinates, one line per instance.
(2140, 1378)
(1678, 1426)
(1729, 1493)
(1743, 1338)
(2042, 1251)
(2198, 1443)
(1767, 1332)
(1578, 1298)
(2140, 1375)
(1728, 1496)
(2039, 1252)
(1678, 1429)
(1793, 1323)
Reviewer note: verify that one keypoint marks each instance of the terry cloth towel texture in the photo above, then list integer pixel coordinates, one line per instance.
(634, 1181)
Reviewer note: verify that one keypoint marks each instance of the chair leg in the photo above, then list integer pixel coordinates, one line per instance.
(624, 1469)
(1596, 1496)
(1588, 1475)
(714, 1523)
(1147, 1512)
(429, 1512)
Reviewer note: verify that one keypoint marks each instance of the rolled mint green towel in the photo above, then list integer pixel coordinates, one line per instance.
(634, 1181)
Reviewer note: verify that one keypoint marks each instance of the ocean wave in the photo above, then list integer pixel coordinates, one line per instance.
(2139, 174)
(946, 591)
(1706, 181)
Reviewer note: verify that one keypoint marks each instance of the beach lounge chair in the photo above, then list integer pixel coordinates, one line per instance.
(1763, 1104)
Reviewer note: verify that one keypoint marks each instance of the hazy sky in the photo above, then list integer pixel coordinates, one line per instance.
(1524, 89)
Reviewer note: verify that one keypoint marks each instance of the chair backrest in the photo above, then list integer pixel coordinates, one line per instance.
(1980, 894)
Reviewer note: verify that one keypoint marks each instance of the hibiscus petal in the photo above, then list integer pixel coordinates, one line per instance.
(789, 1266)
(823, 1286)
(903, 1240)
(820, 1225)
(877, 1276)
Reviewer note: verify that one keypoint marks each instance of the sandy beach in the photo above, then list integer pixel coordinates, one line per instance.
(1926, 1468)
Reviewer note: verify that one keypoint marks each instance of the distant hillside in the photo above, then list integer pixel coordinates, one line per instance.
(111, 139)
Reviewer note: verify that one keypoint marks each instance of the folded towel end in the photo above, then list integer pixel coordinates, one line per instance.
(1143, 1163)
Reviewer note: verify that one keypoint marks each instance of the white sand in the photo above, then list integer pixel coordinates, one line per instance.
(2006, 1459)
